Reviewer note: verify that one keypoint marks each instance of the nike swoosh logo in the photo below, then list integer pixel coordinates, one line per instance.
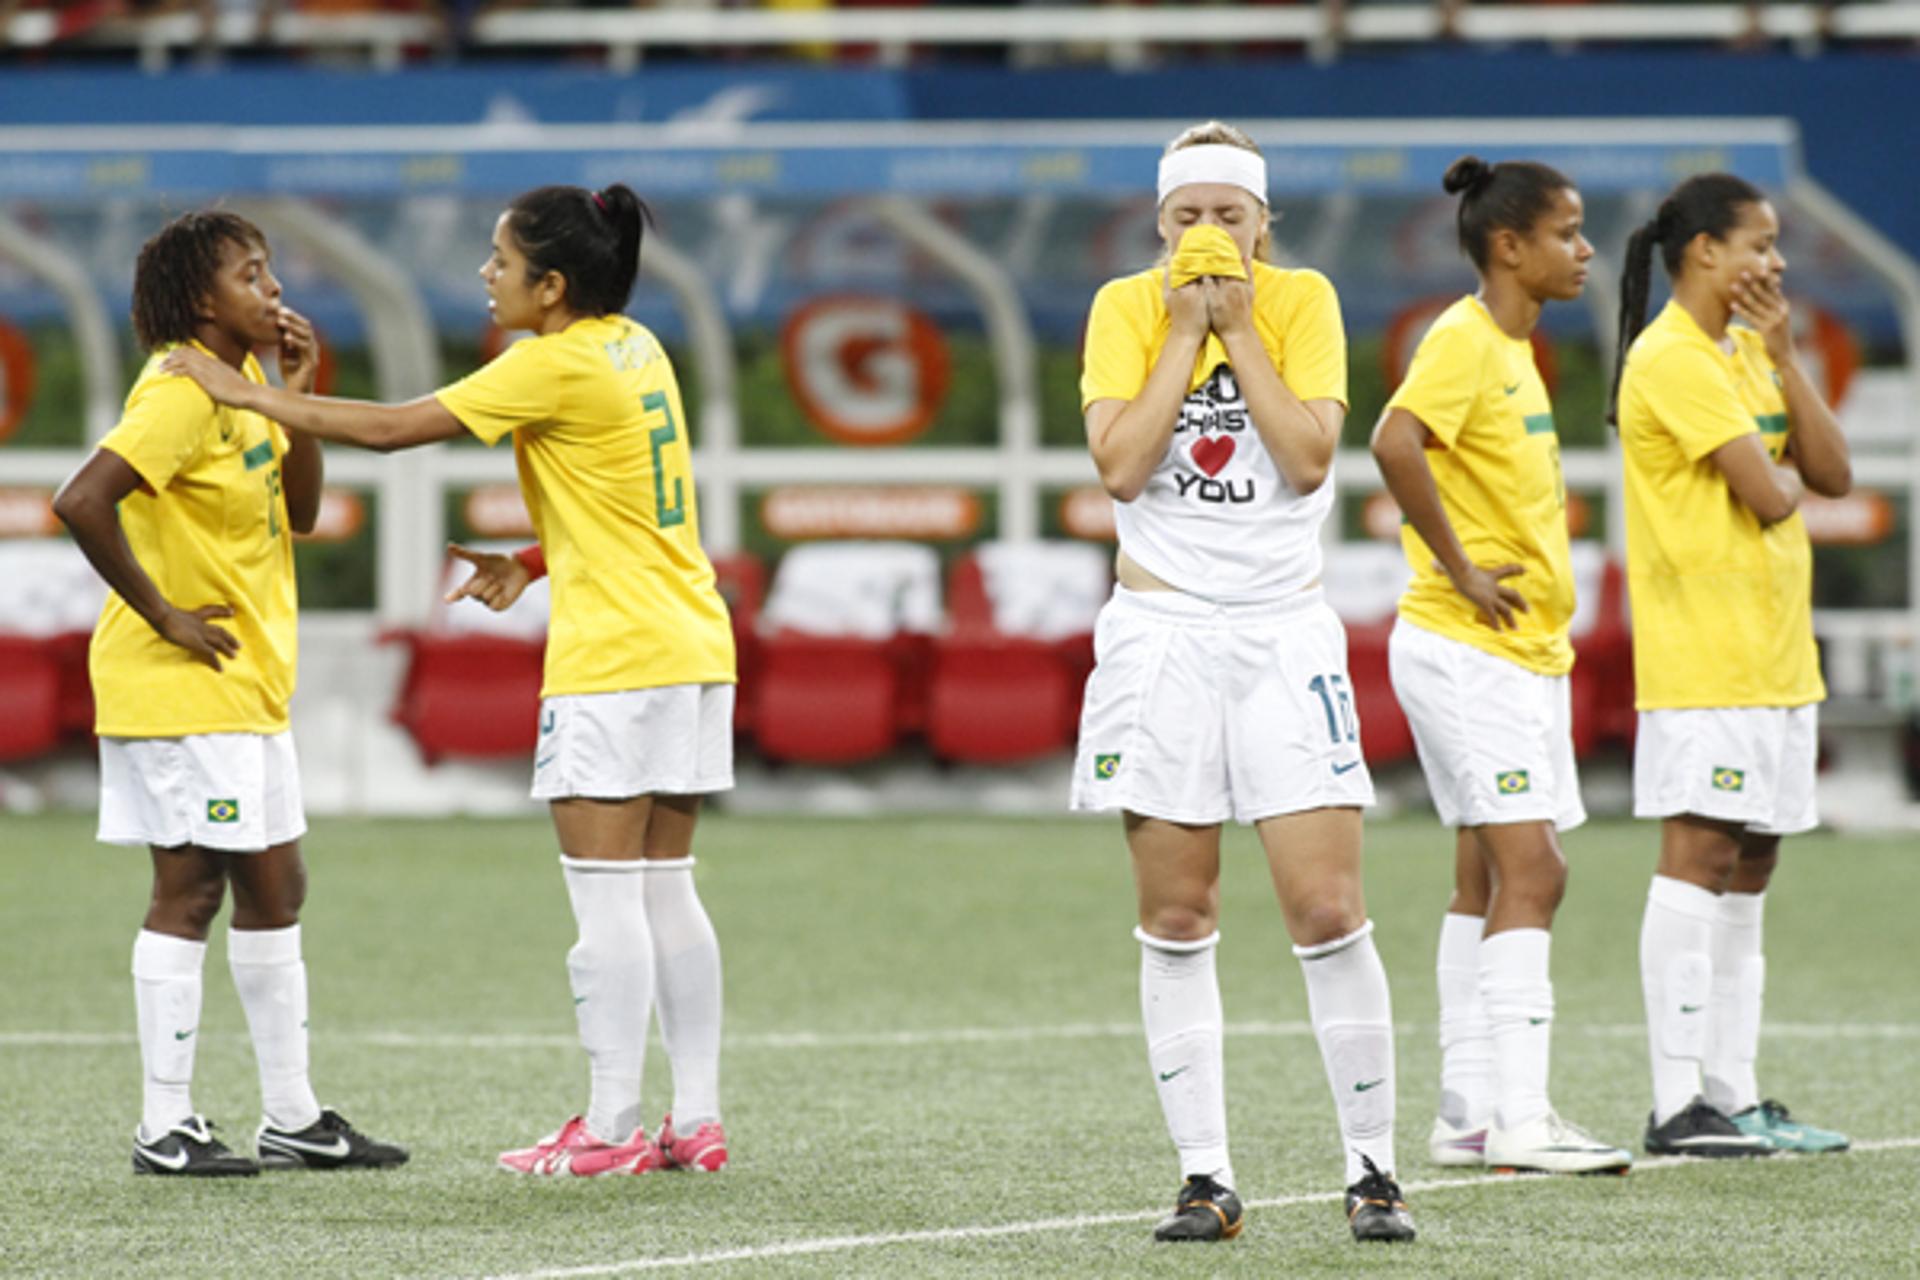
(1691, 1008)
(541, 764)
(1509, 389)
(1168, 1075)
(579, 999)
(1364, 1085)
(337, 1149)
(182, 1035)
(176, 1161)
(1534, 1022)
(1348, 767)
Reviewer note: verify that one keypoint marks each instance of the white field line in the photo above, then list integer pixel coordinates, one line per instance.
(752, 1040)
(1077, 1222)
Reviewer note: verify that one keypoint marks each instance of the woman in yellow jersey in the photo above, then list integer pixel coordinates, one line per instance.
(1480, 657)
(187, 509)
(636, 722)
(1214, 392)
(1721, 433)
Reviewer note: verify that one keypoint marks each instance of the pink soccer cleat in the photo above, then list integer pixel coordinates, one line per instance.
(702, 1151)
(576, 1152)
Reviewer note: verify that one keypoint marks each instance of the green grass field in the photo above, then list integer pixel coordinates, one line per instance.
(933, 1068)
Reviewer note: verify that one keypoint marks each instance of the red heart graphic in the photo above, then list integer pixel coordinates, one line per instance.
(1210, 453)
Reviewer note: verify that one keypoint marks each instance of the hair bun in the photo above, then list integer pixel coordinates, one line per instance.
(1468, 173)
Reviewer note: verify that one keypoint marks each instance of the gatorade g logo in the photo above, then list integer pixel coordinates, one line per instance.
(1725, 779)
(1513, 782)
(865, 370)
(1104, 767)
(223, 811)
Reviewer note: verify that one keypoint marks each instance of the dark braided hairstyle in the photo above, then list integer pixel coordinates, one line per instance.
(176, 269)
(591, 238)
(1509, 196)
(1710, 204)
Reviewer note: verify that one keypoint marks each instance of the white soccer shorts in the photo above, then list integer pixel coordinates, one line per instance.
(1751, 765)
(1495, 739)
(673, 740)
(1198, 712)
(236, 792)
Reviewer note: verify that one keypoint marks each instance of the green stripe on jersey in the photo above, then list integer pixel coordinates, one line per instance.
(1539, 424)
(1772, 424)
(258, 456)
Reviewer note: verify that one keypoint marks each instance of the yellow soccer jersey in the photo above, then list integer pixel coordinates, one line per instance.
(607, 474)
(1498, 472)
(1295, 313)
(1722, 607)
(209, 525)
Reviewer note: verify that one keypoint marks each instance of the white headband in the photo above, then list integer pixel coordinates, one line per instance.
(1214, 162)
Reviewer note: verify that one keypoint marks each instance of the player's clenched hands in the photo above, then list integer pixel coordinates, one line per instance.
(1229, 306)
(193, 630)
(1187, 308)
(299, 351)
(1758, 300)
(223, 382)
(1489, 594)
(497, 580)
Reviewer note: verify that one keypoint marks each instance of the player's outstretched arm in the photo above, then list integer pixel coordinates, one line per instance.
(381, 427)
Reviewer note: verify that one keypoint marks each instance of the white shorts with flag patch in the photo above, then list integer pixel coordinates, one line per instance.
(1751, 765)
(236, 792)
(1495, 739)
(1199, 712)
(673, 740)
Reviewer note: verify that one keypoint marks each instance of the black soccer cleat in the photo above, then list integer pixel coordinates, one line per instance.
(189, 1150)
(1700, 1129)
(328, 1143)
(1375, 1208)
(1204, 1210)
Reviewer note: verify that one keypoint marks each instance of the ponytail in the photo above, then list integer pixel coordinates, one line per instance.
(1708, 204)
(1636, 283)
(592, 238)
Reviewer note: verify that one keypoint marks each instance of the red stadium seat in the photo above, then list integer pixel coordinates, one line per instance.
(844, 651)
(29, 697)
(742, 580)
(470, 695)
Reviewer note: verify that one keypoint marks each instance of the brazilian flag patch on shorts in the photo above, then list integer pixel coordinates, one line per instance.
(1104, 767)
(1725, 779)
(1513, 782)
(223, 811)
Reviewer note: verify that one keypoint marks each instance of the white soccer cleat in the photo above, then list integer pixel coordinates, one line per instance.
(1457, 1148)
(1548, 1144)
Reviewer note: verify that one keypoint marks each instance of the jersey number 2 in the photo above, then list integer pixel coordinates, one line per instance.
(666, 513)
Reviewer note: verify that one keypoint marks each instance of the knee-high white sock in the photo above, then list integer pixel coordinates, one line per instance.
(166, 1001)
(1739, 985)
(1180, 1005)
(1353, 1021)
(1518, 996)
(272, 981)
(611, 968)
(686, 959)
(1676, 977)
(1466, 1052)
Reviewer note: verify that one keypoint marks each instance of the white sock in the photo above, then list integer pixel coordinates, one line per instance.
(1180, 1006)
(1739, 983)
(166, 1001)
(1466, 1052)
(1676, 977)
(272, 981)
(611, 969)
(686, 959)
(1353, 1021)
(1518, 997)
